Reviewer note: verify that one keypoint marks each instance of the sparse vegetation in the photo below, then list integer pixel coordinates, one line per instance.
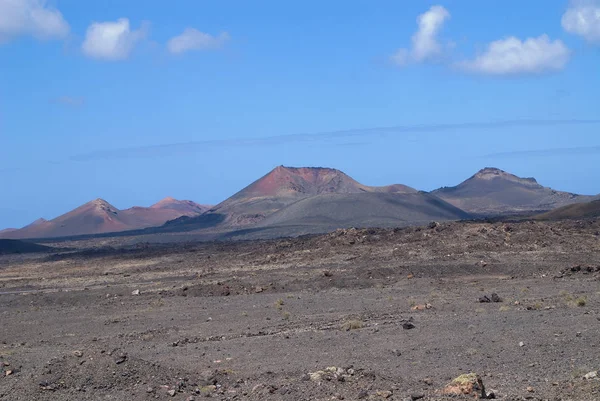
(279, 304)
(571, 300)
(581, 301)
(286, 315)
(354, 324)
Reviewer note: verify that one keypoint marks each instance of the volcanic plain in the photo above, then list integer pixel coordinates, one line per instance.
(373, 314)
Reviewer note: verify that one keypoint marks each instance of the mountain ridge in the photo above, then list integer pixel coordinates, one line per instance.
(99, 216)
(492, 191)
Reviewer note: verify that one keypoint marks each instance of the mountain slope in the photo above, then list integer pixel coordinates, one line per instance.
(494, 192)
(12, 246)
(326, 212)
(576, 211)
(276, 190)
(184, 207)
(99, 216)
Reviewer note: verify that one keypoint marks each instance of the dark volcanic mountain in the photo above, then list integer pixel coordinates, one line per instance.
(290, 201)
(278, 189)
(583, 210)
(495, 192)
(99, 216)
(327, 212)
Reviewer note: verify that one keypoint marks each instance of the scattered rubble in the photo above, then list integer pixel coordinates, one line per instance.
(331, 373)
(492, 298)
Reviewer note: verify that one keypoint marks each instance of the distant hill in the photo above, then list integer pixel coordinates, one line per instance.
(99, 216)
(185, 207)
(276, 190)
(576, 211)
(495, 192)
(11, 246)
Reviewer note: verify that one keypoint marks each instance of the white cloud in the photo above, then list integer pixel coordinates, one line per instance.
(112, 40)
(583, 19)
(31, 17)
(425, 45)
(513, 56)
(193, 39)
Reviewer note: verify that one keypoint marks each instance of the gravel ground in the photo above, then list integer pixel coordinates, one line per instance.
(355, 314)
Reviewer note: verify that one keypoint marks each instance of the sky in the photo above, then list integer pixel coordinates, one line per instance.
(135, 100)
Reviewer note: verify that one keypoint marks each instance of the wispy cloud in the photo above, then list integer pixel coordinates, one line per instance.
(71, 101)
(512, 56)
(582, 18)
(31, 17)
(425, 44)
(193, 39)
(580, 150)
(112, 40)
(196, 146)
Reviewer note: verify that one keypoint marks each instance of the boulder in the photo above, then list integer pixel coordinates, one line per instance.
(467, 384)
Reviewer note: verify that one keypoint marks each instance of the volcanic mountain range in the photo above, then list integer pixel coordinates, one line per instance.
(291, 201)
(99, 216)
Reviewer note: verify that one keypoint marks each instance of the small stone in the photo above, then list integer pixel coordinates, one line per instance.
(78, 353)
(396, 352)
(496, 298)
(258, 290)
(8, 373)
(120, 359)
(415, 397)
(530, 389)
(149, 390)
(315, 376)
(207, 378)
(362, 394)
(408, 326)
(190, 398)
(484, 299)
(135, 292)
(591, 375)
(171, 393)
(521, 344)
(384, 394)
(428, 381)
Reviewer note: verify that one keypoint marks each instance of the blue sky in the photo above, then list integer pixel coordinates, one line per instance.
(132, 100)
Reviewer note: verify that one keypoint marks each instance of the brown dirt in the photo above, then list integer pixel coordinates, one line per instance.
(263, 320)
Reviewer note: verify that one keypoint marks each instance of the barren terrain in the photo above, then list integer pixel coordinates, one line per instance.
(397, 312)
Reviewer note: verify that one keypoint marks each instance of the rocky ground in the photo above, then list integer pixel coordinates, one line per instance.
(355, 314)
